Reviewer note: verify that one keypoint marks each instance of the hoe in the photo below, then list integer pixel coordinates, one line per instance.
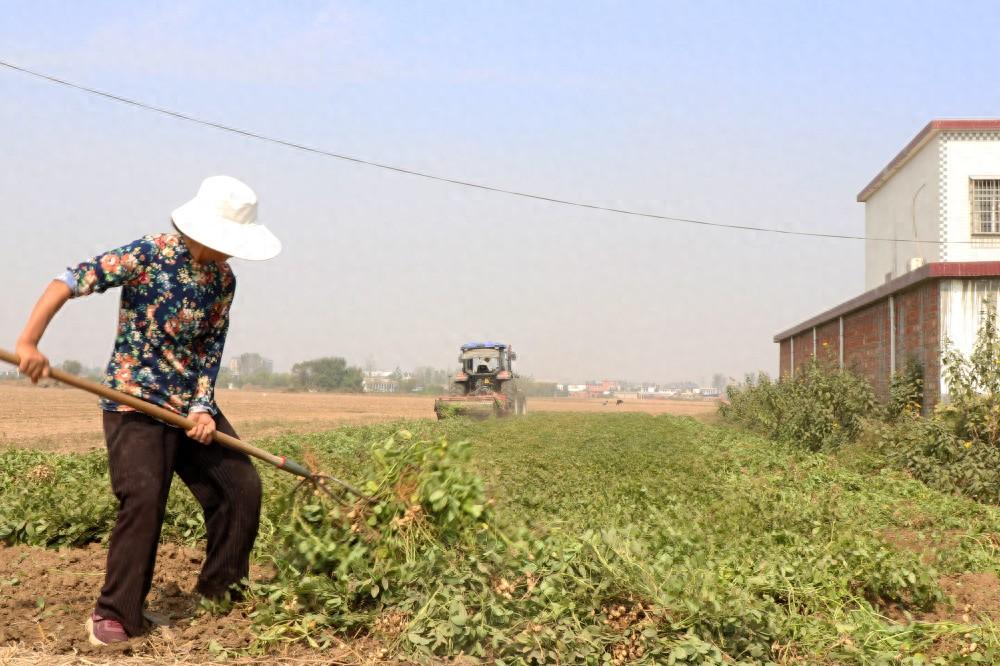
(321, 482)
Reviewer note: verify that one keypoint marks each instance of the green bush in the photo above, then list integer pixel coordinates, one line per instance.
(958, 449)
(906, 392)
(972, 410)
(816, 408)
(930, 451)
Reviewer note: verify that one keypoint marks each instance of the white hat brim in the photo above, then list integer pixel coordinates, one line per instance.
(253, 242)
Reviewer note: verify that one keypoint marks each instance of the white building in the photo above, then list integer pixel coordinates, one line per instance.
(379, 382)
(943, 186)
(248, 364)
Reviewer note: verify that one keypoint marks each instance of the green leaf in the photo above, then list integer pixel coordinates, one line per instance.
(417, 639)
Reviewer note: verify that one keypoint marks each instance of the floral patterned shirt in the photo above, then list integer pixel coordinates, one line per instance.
(172, 321)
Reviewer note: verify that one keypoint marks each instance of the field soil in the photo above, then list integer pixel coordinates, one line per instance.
(54, 417)
(48, 594)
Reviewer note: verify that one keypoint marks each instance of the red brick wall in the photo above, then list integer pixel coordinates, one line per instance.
(867, 345)
(784, 357)
(803, 349)
(828, 343)
(918, 334)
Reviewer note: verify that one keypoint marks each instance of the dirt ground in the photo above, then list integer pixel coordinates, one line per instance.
(47, 595)
(58, 418)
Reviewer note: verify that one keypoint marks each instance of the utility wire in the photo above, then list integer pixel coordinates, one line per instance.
(444, 179)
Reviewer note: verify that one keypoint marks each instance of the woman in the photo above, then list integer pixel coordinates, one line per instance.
(174, 315)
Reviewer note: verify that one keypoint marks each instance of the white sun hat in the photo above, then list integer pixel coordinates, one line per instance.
(223, 216)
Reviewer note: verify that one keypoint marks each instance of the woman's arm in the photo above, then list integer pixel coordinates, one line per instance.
(111, 269)
(33, 363)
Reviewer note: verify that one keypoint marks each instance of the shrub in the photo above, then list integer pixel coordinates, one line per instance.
(958, 449)
(906, 392)
(973, 407)
(929, 450)
(816, 408)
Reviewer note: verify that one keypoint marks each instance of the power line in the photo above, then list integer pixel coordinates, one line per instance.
(444, 179)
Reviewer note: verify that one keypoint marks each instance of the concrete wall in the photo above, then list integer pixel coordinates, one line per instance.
(906, 207)
(962, 305)
(965, 155)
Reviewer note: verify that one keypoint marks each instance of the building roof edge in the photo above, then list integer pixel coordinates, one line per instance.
(931, 271)
(924, 136)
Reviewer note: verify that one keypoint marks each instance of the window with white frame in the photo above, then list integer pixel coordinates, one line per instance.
(985, 193)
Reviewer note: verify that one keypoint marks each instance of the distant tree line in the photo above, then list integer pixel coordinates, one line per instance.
(330, 373)
(434, 381)
(537, 389)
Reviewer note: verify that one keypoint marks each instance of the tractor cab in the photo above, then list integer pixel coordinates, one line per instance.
(486, 360)
(484, 366)
(485, 377)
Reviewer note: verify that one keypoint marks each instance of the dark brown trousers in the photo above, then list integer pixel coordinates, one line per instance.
(143, 455)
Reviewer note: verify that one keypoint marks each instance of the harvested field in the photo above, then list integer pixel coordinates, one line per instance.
(54, 417)
(675, 407)
(597, 524)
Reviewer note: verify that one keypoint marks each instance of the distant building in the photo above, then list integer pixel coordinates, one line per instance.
(605, 387)
(377, 381)
(379, 385)
(248, 364)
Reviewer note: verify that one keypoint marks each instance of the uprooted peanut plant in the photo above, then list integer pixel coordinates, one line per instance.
(618, 538)
(568, 538)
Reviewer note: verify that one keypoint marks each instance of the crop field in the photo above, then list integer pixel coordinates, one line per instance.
(59, 418)
(554, 538)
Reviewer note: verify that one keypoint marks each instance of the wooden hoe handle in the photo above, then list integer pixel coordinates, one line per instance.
(165, 415)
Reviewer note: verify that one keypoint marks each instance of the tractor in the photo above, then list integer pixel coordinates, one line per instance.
(485, 384)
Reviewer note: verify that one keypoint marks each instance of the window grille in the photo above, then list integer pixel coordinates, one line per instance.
(985, 205)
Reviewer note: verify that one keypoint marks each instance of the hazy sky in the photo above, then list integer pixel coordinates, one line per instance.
(769, 113)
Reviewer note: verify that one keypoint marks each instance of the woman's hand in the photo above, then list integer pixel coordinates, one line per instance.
(204, 428)
(34, 364)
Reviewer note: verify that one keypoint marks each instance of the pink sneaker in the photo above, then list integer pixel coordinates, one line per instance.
(105, 631)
